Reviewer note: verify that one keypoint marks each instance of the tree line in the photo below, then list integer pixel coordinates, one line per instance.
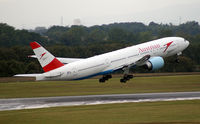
(82, 41)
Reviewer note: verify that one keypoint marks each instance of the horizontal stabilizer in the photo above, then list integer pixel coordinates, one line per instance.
(27, 75)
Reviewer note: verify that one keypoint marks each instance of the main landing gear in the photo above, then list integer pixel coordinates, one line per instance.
(125, 78)
(105, 78)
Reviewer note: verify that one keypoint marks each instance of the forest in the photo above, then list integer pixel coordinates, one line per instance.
(81, 41)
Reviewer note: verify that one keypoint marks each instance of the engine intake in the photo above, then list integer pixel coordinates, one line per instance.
(154, 63)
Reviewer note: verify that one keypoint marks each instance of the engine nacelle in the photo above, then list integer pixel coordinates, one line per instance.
(154, 63)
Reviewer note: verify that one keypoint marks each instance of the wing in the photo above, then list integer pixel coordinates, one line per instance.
(139, 62)
(63, 60)
(142, 61)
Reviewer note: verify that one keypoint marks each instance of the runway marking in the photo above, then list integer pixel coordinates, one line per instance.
(46, 102)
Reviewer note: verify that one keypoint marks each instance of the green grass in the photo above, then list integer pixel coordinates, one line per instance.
(92, 87)
(173, 112)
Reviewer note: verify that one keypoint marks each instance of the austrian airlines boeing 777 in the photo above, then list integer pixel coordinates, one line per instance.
(149, 54)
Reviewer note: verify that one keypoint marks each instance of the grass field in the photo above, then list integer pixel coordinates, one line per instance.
(92, 87)
(173, 112)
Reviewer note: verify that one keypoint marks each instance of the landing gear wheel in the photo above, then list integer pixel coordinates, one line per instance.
(101, 80)
(130, 76)
(126, 78)
(123, 80)
(105, 78)
(177, 57)
(177, 60)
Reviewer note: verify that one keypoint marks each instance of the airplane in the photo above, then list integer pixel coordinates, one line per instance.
(149, 55)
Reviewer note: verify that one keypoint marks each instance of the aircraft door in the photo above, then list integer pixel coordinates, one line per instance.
(74, 72)
(107, 62)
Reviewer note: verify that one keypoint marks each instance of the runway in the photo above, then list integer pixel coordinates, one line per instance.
(44, 102)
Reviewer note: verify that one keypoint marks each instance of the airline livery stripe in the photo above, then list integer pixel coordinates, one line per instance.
(55, 63)
(34, 45)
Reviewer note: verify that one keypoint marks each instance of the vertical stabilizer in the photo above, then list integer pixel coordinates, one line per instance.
(46, 59)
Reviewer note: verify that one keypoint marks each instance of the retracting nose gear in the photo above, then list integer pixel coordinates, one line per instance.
(177, 57)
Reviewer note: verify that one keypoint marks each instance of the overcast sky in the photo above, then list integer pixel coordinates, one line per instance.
(31, 13)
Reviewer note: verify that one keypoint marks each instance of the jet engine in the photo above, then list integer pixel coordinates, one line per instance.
(154, 63)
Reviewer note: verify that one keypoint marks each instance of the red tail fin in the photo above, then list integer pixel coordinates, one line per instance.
(46, 59)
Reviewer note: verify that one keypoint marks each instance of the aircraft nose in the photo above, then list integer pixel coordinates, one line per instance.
(187, 43)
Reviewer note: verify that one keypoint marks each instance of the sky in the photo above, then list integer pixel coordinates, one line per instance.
(29, 14)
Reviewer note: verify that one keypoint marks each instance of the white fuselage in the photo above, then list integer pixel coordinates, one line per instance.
(109, 62)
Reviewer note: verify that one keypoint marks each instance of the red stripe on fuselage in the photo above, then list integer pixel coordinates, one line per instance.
(34, 45)
(55, 63)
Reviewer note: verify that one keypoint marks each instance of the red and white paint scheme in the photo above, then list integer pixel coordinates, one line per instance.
(149, 55)
(46, 59)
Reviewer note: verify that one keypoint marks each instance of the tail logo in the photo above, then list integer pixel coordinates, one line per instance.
(42, 55)
(167, 46)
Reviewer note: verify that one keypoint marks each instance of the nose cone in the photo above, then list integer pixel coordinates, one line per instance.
(187, 43)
